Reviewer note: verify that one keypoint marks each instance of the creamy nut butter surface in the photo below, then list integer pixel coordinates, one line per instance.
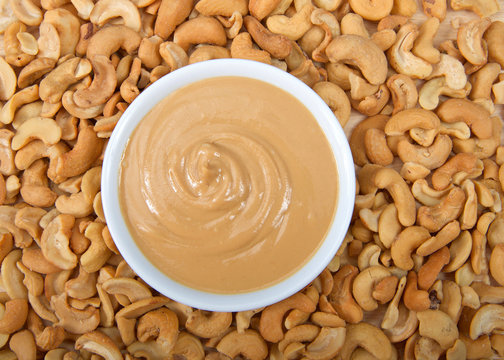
(228, 185)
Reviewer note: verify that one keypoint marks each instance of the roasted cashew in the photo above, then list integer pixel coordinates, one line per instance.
(83, 286)
(25, 96)
(97, 342)
(335, 98)
(469, 41)
(372, 10)
(40, 128)
(404, 92)
(108, 40)
(224, 8)
(435, 217)
(170, 14)
(327, 344)
(73, 320)
(364, 284)
(482, 8)
(242, 48)
(492, 37)
(27, 12)
(262, 8)
(67, 26)
(363, 53)
(55, 240)
(413, 298)
(249, 344)
(14, 316)
(161, 324)
(423, 46)
(200, 30)
(408, 241)
(431, 91)
(430, 157)
(429, 271)
(104, 10)
(341, 295)
(401, 58)
(496, 263)
(294, 27)
(353, 24)
(408, 119)
(369, 337)
(7, 80)
(467, 163)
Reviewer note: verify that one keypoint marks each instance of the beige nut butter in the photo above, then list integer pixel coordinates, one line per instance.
(228, 185)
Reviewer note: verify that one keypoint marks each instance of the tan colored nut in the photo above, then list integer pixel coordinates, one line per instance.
(242, 48)
(148, 51)
(408, 119)
(20, 98)
(496, 263)
(338, 73)
(200, 30)
(7, 80)
(224, 8)
(7, 165)
(54, 242)
(358, 134)
(208, 326)
(482, 8)
(453, 71)
(470, 41)
(83, 286)
(405, 326)
(377, 150)
(404, 92)
(423, 46)
(492, 37)
(391, 316)
(446, 235)
(371, 10)
(34, 71)
(249, 344)
(73, 320)
(335, 98)
(14, 317)
(402, 59)
(360, 52)
(277, 45)
(404, 8)
(415, 299)
(487, 319)
(131, 288)
(388, 225)
(97, 342)
(109, 39)
(262, 8)
(270, 325)
(341, 295)
(407, 242)
(49, 42)
(384, 39)
(23, 344)
(97, 253)
(104, 10)
(433, 89)
(360, 88)
(373, 104)
(36, 128)
(436, 8)
(170, 14)
(353, 24)
(35, 261)
(292, 27)
(467, 163)
(435, 217)
(430, 270)
(13, 53)
(32, 280)
(58, 80)
(364, 284)
(327, 344)
(369, 337)
(430, 157)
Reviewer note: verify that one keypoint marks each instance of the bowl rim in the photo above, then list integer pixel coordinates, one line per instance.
(111, 175)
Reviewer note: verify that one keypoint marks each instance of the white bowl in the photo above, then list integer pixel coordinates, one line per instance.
(111, 176)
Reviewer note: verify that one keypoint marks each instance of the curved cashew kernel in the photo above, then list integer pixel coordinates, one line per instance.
(353, 24)
(482, 8)
(364, 284)
(77, 111)
(374, 103)
(404, 92)
(83, 286)
(14, 317)
(335, 98)
(73, 320)
(35, 261)
(369, 256)
(360, 88)
(469, 214)
(67, 26)
(223, 7)
(13, 53)
(487, 293)
(436, 8)
(87, 149)
(453, 72)
(249, 344)
(58, 80)
(23, 345)
(108, 40)
(104, 10)
(200, 30)
(423, 46)
(401, 58)
(98, 343)
(341, 295)
(262, 8)
(36, 128)
(391, 316)
(423, 137)
(102, 87)
(49, 42)
(292, 27)
(497, 263)
(369, 337)
(497, 341)
(487, 319)
(25, 96)
(33, 71)
(406, 242)
(26, 11)
(462, 162)
(390, 180)
(431, 269)
(415, 299)
(299, 334)
(451, 302)
(363, 53)
(408, 119)
(405, 325)
(384, 39)
(75, 205)
(372, 10)
(435, 217)
(327, 344)
(431, 157)
(433, 89)
(148, 51)
(388, 225)
(170, 14)
(338, 73)
(277, 45)
(242, 48)
(131, 288)
(270, 324)
(161, 324)
(493, 37)
(97, 253)
(392, 22)
(482, 81)
(446, 235)
(54, 242)
(176, 57)
(470, 41)
(32, 280)
(207, 52)
(7, 80)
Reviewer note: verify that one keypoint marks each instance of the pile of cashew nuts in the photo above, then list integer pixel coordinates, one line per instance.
(421, 272)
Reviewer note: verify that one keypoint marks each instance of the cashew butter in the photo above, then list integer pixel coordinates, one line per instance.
(228, 185)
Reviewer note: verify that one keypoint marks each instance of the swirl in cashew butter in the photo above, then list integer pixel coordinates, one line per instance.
(228, 185)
